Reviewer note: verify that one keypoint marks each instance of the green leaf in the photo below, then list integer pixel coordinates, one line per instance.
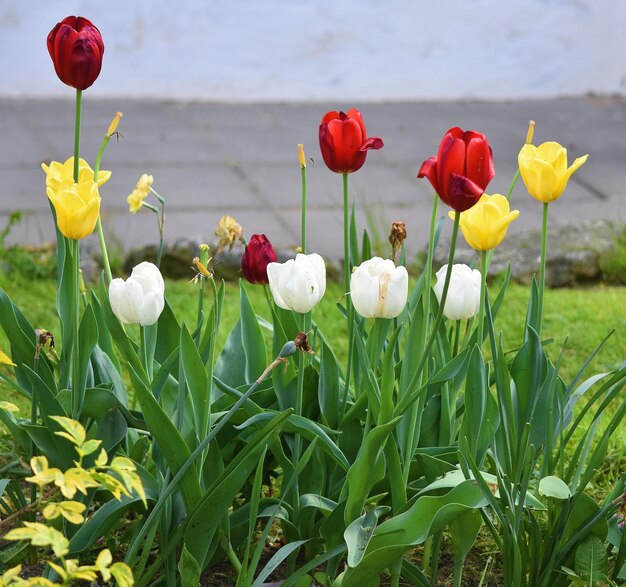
(591, 560)
(188, 568)
(197, 382)
(278, 558)
(169, 440)
(427, 516)
(359, 533)
(205, 517)
(329, 388)
(554, 488)
(367, 470)
(306, 428)
(251, 337)
(464, 530)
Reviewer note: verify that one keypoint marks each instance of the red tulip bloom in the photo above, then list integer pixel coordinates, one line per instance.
(258, 253)
(76, 48)
(462, 168)
(343, 141)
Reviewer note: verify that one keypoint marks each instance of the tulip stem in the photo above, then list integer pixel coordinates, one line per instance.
(303, 212)
(79, 107)
(457, 336)
(542, 275)
(509, 192)
(76, 384)
(483, 291)
(349, 307)
(103, 245)
(161, 225)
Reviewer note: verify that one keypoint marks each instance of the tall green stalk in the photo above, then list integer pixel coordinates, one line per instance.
(542, 274)
(349, 307)
(102, 241)
(483, 290)
(75, 252)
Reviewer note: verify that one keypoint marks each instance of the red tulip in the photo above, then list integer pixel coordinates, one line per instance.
(343, 141)
(258, 253)
(76, 48)
(462, 169)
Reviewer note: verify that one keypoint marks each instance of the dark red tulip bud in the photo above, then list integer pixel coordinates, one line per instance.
(343, 141)
(462, 168)
(76, 48)
(258, 253)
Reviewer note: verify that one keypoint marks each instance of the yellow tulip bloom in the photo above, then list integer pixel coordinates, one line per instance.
(484, 224)
(77, 206)
(544, 170)
(56, 173)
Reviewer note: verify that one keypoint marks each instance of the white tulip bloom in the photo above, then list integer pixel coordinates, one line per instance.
(463, 299)
(139, 299)
(299, 283)
(379, 289)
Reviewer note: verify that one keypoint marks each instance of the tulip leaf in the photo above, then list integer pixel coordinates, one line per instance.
(197, 382)
(205, 518)
(427, 516)
(169, 440)
(329, 389)
(307, 429)
(554, 488)
(367, 470)
(481, 418)
(21, 335)
(251, 337)
(358, 534)
(88, 337)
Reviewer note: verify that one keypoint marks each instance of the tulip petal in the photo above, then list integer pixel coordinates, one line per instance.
(397, 292)
(151, 307)
(540, 179)
(364, 293)
(274, 271)
(463, 193)
(479, 162)
(373, 143)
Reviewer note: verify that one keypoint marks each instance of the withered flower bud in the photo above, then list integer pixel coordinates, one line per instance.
(397, 236)
(302, 343)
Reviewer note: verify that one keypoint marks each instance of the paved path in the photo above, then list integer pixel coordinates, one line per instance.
(213, 159)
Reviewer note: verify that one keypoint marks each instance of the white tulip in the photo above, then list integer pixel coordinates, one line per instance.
(463, 299)
(139, 299)
(379, 289)
(299, 283)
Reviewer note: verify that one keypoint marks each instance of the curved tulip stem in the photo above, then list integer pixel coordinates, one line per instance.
(542, 274)
(102, 241)
(161, 225)
(457, 336)
(483, 290)
(509, 192)
(79, 108)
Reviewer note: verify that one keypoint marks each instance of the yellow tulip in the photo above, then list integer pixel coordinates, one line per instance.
(484, 224)
(77, 206)
(56, 173)
(544, 170)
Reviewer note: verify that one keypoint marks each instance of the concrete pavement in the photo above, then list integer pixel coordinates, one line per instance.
(210, 159)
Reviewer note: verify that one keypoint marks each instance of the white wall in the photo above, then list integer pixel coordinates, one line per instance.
(260, 50)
